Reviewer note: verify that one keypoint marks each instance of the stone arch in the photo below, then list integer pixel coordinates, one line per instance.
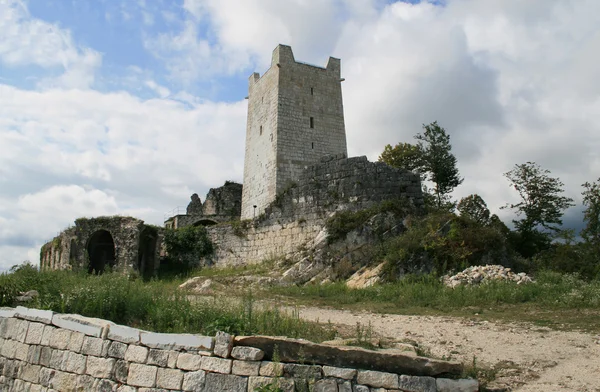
(205, 222)
(101, 251)
(147, 251)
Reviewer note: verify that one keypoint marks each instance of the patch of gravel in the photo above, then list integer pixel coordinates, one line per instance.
(485, 273)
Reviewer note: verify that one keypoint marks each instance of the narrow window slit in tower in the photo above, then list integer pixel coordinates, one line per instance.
(312, 91)
(260, 130)
(312, 122)
(312, 145)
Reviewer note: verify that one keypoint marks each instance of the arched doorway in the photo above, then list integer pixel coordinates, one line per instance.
(147, 251)
(101, 252)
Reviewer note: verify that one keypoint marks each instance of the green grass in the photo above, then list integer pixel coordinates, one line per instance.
(154, 305)
(555, 300)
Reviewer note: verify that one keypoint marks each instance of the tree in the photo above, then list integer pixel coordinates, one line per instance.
(187, 245)
(541, 206)
(438, 161)
(591, 214)
(403, 155)
(474, 208)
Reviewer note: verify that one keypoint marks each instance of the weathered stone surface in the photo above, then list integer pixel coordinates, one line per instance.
(47, 335)
(169, 378)
(100, 367)
(76, 342)
(216, 382)
(38, 315)
(217, 365)
(75, 363)
(136, 353)
(142, 375)
(46, 376)
(124, 334)
(223, 344)
(463, 385)
(121, 371)
(343, 373)
(6, 312)
(117, 350)
(194, 381)
(8, 348)
(33, 355)
(21, 351)
(417, 384)
(189, 361)
(30, 373)
(173, 357)
(245, 368)
(57, 359)
(171, 341)
(345, 386)
(307, 372)
(271, 369)
(63, 381)
(247, 353)
(377, 379)
(45, 356)
(16, 329)
(290, 350)
(328, 385)
(126, 388)
(86, 325)
(158, 358)
(94, 346)
(285, 384)
(85, 382)
(60, 338)
(104, 386)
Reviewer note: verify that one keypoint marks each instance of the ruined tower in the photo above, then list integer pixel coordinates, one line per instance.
(295, 116)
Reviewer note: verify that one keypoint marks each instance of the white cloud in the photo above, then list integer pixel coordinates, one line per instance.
(25, 40)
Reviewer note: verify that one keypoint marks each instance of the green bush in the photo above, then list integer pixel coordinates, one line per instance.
(187, 245)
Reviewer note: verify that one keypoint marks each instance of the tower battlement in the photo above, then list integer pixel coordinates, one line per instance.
(295, 116)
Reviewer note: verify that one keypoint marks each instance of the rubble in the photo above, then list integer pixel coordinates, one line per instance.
(485, 273)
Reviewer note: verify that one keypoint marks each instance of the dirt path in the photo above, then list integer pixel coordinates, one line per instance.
(532, 358)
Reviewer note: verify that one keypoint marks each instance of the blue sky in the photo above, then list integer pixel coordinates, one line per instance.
(129, 107)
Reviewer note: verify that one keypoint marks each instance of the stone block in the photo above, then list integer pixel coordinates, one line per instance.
(86, 325)
(158, 357)
(172, 341)
(417, 384)
(46, 356)
(8, 349)
(343, 373)
(142, 375)
(136, 353)
(16, 329)
(63, 381)
(85, 382)
(75, 363)
(100, 367)
(463, 385)
(6, 312)
(47, 335)
(377, 379)
(169, 378)
(12, 368)
(124, 334)
(307, 372)
(38, 315)
(189, 361)
(326, 385)
(30, 373)
(105, 386)
(216, 382)
(57, 359)
(244, 353)
(121, 371)
(33, 355)
(3, 328)
(76, 342)
(117, 350)
(21, 351)
(93, 346)
(173, 357)
(245, 368)
(284, 384)
(126, 388)
(217, 365)
(34, 333)
(194, 381)
(271, 369)
(345, 386)
(223, 344)
(60, 338)
(46, 376)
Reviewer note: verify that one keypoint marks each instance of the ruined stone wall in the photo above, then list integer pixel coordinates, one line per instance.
(299, 213)
(45, 351)
(295, 116)
(69, 250)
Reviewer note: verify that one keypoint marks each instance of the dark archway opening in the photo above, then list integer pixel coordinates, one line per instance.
(205, 222)
(101, 251)
(147, 252)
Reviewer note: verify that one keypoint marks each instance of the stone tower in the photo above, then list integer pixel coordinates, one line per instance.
(295, 116)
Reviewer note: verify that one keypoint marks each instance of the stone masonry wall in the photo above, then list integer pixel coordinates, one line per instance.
(298, 214)
(44, 351)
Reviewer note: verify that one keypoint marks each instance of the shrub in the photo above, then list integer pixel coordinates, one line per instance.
(187, 245)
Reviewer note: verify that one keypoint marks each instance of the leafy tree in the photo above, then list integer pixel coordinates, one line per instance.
(591, 214)
(403, 155)
(438, 162)
(474, 208)
(187, 245)
(541, 206)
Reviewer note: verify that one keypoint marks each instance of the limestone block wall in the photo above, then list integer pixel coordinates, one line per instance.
(44, 351)
(299, 213)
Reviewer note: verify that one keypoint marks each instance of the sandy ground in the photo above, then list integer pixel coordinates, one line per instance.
(532, 358)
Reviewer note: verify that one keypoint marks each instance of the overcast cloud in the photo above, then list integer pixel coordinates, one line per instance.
(128, 109)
